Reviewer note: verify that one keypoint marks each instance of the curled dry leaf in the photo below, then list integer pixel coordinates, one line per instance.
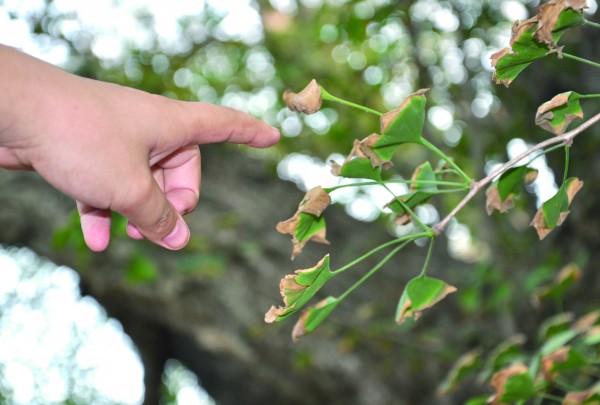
(547, 16)
(557, 114)
(539, 220)
(388, 118)
(315, 201)
(297, 288)
(362, 150)
(500, 378)
(308, 101)
(493, 201)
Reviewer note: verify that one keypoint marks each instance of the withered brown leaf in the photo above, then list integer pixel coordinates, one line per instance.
(315, 201)
(308, 101)
(545, 114)
(493, 201)
(500, 378)
(550, 360)
(547, 17)
(539, 222)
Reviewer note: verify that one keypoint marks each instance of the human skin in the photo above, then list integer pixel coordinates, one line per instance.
(113, 148)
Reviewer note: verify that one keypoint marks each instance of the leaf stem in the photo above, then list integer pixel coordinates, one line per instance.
(329, 97)
(591, 23)
(584, 96)
(566, 173)
(582, 60)
(404, 239)
(409, 211)
(429, 252)
(564, 139)
(444, 157)
(373, 270)
(460, 186)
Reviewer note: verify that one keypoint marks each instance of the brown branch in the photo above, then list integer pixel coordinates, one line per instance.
(476, 186)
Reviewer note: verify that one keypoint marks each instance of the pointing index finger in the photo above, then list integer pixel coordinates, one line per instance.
(212, 124)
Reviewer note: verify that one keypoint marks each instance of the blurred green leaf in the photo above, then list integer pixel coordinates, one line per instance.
(519, 387)
(141, 270)
(513, 180)
(462, 368)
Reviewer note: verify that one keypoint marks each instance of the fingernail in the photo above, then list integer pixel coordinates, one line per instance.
(179, 236)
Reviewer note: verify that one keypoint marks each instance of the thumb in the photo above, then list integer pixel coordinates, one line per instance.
(155, 217)
(210, 123)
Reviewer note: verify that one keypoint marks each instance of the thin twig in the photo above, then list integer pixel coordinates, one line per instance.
(566, 138)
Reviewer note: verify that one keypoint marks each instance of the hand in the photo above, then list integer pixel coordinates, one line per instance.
(113, 148)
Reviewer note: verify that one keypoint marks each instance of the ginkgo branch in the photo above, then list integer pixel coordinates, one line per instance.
(564, 139)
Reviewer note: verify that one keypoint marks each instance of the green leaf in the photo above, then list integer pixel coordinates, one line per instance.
(359, 168)
(402, 125)
(513, 180)
(556, 290)
(482, 400)
(519, 387)
(508, 63)
(298, 288)
(141, 270)
(505, 353)
(557, 341)
(575, 360)
(557, 114)
(555, 325)
(420, 294)
(421, 192)
(462, 368)
(313, 317)
(553, 212)
(308, 226)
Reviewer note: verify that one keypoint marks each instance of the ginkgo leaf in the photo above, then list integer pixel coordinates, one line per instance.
(402, 125)
(308, 223)
(563, 280)
(557, 114)
(553, 212)
(420, 294)
(511, 384)
(462, 368)
(549, 14)
(308, 101)
(505, 353)
(555, 325)
(582, 398)
(530, 40)
(310, 319)
(299, 287)
(499, 196)
(358, 168)
(423, 187)
(564, 359)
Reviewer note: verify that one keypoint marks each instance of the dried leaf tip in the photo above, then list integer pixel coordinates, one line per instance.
(308, 101)
(388, 117)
